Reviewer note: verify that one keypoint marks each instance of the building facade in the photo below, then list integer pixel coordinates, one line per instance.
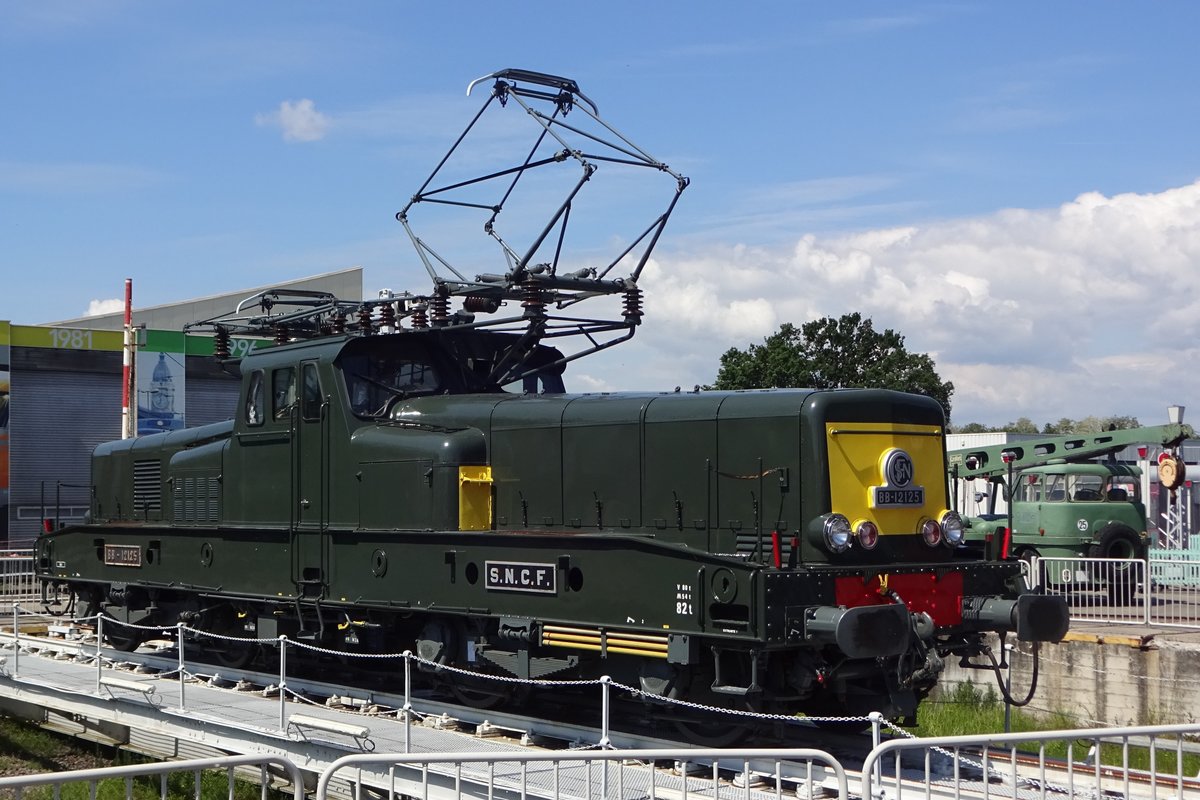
(61, 395)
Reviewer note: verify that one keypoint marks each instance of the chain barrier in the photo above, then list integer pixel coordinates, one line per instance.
(436, 667)
(738, 712)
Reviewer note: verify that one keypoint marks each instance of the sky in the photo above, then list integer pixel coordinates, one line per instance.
(1013, 187)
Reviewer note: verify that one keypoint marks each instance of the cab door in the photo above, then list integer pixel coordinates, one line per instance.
(311, 495)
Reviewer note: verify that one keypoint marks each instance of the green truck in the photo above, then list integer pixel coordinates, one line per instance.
(1062, 501)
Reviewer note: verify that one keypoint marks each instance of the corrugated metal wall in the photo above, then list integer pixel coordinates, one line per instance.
(63, 404)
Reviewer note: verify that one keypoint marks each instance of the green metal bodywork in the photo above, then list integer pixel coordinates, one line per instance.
(1062, 505)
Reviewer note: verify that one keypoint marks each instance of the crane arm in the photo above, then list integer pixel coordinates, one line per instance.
(988, 461)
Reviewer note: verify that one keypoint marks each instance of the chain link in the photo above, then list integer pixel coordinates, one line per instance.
(504, 679)
(739, 712)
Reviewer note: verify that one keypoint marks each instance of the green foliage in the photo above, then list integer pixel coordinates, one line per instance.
(1022, 425)
(829, 353)
(968, 710)
(1063, 427)
(26, 749)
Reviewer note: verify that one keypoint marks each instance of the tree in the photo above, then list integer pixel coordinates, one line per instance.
(829, 353)
(973, 427)
(1022, 425)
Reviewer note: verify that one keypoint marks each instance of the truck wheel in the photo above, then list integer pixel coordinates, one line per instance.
(1119, 542)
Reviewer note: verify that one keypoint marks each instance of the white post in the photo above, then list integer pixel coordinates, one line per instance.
(407, 710)
(16, 640)
(179, 648)
(99, 657)
(128, 389)
(876, 738)
(605, 741)
(282, 684)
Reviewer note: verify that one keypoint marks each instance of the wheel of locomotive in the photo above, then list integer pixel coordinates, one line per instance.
(1118, 541)
(229, 647)
(482, 693)
(120, 636)
(437, 646)
(697, 726)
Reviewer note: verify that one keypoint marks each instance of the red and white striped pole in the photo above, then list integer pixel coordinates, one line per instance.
(127, 364)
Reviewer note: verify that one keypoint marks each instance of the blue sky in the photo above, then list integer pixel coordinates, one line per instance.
(1013, 187)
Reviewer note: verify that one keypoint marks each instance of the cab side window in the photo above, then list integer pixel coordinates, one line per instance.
(310, 405)
(1056, 488)
(1031, 489)
(253, 413)
(283, 391)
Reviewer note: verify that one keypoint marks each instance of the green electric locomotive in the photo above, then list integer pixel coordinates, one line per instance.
(398, 475)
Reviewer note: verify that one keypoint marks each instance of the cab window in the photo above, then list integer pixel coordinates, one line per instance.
(1087, 488)
(1031, 489)
(1056, 488)
(283, 391)
(253, 414)
(1123, 489)
(373, 382)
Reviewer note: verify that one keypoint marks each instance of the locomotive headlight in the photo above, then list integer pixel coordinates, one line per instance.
(952, 528)
(837, 533)
(931, 532)
(867, 533)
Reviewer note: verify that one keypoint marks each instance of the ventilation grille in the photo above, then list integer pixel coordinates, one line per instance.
(147, 487)
(749, 544)
(197, 499)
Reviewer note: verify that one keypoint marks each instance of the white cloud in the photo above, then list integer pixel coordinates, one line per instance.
(1083, 309)
(111, 306)
(300, 121)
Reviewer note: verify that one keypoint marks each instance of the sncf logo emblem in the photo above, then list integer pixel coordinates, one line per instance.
(898, 490)
(897, 468)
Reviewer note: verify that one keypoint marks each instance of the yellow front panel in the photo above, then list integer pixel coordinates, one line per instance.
(857, 451)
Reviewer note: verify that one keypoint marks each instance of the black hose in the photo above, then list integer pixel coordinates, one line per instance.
(1008, 698)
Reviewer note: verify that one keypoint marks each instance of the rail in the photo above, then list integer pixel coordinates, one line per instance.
(268, 768)
(1160, 590)
(573, 774)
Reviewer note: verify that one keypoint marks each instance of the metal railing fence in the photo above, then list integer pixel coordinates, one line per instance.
(1059, 764)
(1155, 591)
(17, 581)
(197, 768)
(594, 774)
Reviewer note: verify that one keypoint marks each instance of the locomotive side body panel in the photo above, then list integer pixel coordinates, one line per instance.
(603, 463)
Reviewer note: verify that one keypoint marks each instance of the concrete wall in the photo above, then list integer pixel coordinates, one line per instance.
(1119, 678)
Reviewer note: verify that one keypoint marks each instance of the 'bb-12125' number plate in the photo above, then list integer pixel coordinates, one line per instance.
(123, 555)
(883, 497)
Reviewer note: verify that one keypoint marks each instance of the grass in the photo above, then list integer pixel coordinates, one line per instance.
(26, 749)
(968, 710)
